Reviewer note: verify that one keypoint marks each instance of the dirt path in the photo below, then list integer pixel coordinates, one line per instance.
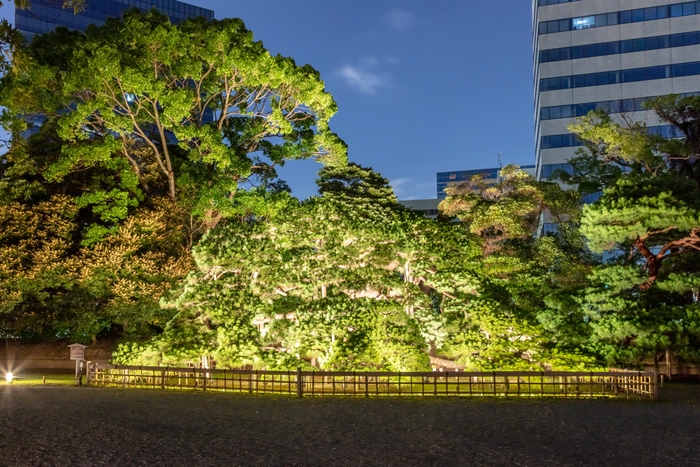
(56, 426)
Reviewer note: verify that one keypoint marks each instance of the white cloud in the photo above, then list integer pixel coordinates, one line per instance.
(408, 188)
(363, 78)
(398, 185)
(399, 19)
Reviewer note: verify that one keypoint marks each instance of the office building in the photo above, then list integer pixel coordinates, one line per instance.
(43, 17)
(489, 176)
(428, 207)
(611, 55)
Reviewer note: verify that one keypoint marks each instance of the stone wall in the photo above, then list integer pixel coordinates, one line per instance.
(15, 354)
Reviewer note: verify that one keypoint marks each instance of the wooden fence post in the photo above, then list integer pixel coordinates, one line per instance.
(300, 386)
(542, 383)
(655, 385)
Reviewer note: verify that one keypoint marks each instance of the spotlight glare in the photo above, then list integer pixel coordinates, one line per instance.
(9, 376)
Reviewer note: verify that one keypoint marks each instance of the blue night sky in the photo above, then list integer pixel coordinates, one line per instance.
(422, 87)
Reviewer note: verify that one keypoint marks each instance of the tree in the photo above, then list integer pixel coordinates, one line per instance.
(644, 299)
(656, 206)
(320, 277)
(507, 210)
(57, 281)
(36, 268)
(199, 107)
(660, 213)
(346, 280)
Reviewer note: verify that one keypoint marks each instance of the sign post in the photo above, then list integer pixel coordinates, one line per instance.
(77, 353)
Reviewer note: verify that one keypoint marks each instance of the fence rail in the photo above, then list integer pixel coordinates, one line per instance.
(373, 384)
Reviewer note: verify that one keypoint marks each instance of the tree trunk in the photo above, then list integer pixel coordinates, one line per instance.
(211, 219)
(652, 263)
(171, 184)
(653, 268)
(668, 364)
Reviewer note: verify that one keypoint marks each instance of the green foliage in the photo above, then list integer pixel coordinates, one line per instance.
(398, 343)
(644, 301)
(125, 212)
(589, 175)
(509, 209)
(628, 323)
(350, 280)
(187, 111)
(67, 272)
(639, 207)
(627, 144)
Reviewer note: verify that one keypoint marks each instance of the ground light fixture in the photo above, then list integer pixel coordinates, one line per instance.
(9, 376)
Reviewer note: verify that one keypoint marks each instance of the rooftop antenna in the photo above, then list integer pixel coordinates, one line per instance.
(500, 166)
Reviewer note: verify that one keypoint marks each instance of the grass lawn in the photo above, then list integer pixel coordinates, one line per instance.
(39, 377)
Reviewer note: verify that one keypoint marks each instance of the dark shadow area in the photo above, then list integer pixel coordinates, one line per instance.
(94, 426)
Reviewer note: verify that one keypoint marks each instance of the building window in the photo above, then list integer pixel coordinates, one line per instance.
(620, 47)
(583, 22)
(621, 76)
(569, 140)
(622, 17)
(591, 197)
(550, 228)
(45, 17)
(611, 107)
(553, 2)
(549, 169)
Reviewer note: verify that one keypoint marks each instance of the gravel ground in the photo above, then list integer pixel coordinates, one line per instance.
(56, 426)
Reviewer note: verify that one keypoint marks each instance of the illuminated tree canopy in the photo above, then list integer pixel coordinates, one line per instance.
(644, 300)
(351, 280)
(189, 111)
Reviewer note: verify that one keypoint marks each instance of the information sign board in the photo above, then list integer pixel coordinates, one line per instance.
(77, 351)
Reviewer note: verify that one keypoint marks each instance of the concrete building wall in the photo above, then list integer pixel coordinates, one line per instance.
(687, 20)
(427, 206)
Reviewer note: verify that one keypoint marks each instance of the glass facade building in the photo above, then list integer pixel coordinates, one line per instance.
(607, 55)
(490, 176)
(42, 18)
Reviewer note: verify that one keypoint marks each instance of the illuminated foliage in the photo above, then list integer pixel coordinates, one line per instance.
(56, 281)
(508, 209)
(644, 300)
(350, 280)
(188, 111)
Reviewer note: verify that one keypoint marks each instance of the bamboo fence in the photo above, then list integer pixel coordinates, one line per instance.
(377, 384)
